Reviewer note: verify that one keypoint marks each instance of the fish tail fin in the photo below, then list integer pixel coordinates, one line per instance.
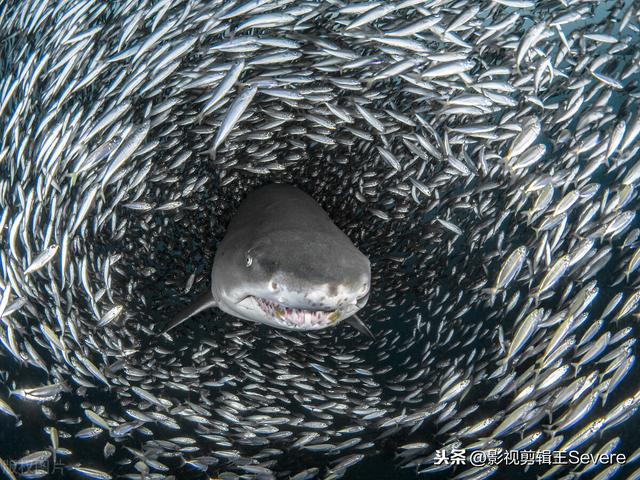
(505, 162)
(576, 367)
(537, 369)
(203, 302)
(550, 417)
(492, 292)
(529, 217)
(503, 366)
(536, 296)
(577, 236)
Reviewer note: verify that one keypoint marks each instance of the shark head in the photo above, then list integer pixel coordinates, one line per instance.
(292, 279)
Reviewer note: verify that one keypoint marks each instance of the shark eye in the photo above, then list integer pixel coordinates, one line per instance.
(248, 260)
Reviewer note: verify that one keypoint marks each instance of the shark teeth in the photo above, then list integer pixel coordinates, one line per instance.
(297, 317)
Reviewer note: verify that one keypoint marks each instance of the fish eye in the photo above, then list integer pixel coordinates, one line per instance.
(249, 260)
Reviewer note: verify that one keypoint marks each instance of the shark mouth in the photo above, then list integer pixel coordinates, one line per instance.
(297, 318)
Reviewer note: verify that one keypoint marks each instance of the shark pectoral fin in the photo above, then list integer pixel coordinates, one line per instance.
(359, 325)
(203, 302)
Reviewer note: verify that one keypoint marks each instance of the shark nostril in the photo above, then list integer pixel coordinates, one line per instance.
(274, 286)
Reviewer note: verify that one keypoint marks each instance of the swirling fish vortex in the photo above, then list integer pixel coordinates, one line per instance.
(484, 155)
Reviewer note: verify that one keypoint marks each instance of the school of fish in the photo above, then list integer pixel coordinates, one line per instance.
(483, 155)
